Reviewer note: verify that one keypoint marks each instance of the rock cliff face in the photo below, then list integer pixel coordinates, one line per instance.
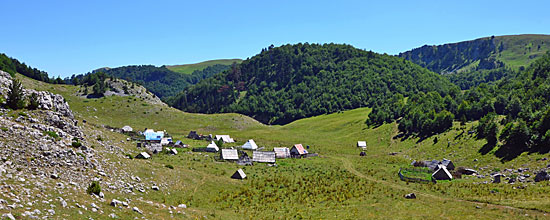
(448, 58)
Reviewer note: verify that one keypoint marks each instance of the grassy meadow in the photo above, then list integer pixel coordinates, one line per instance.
(521, 50)
(189, 68)
(339, 184)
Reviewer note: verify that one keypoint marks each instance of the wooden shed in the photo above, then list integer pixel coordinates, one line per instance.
(263, 156)
(298, 151)
(281, 152)
(229, 154)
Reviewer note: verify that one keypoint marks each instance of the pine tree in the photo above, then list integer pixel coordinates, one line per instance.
(15, 95)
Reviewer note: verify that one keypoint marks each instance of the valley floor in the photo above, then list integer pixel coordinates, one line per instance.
(339, 184)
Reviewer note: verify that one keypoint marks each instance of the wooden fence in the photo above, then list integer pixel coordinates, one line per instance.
(415, 179)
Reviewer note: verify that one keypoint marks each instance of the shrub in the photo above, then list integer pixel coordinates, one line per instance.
(94, 188)
(4, 129)
(23, 114)
(169, 166)
(33, 101)
(76, 144)
(52, 134)
(219, 143)
(15, 95)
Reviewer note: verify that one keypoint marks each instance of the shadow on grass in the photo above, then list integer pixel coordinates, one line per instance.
(508, 152)
(488, 147)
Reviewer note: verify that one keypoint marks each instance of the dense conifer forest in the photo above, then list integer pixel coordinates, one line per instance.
(282, 84)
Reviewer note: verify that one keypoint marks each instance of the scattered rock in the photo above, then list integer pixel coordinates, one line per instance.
(156, 188)
(410, 196)
(116, 203)
(183, 206)
(54, 176)
(542, 176)
(136, 209)
(8, 216)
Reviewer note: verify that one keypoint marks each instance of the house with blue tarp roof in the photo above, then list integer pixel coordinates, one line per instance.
(151, 135)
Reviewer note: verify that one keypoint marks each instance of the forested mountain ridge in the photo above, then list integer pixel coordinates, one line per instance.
(514, 51)
(282, 84)
(13, 66)
(159, 80)
(521, 99)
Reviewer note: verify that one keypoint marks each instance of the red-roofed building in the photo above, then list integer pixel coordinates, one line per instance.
(298, 151)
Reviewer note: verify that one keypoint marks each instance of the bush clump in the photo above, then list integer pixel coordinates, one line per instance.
(94, 188)
(52, 134)
(169, 166)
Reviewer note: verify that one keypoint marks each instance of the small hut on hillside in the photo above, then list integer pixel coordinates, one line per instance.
(151, 135)
(250, 145)
(281, 152)
(298, 151)
(127, 129)
(442, 173)
(362, 144)
(165, 141)
(212, 147)
(239, 174)
(225, 138)
(448, 164)
(263, 156)
(193, 135)
(229, 154)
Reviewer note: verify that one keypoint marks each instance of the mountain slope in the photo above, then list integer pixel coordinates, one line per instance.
(344, 184)
(190, 68)
(161, 81)
(514, 51)
(286, 83)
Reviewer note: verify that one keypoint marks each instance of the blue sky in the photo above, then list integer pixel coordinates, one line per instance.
(68, 37)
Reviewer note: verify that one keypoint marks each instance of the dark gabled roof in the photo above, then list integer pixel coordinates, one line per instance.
(239, 174)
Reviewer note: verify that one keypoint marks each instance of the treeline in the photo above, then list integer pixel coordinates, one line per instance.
(519, 103)
(282, 84)
(472, 78)
(13, 66)
(93, 80)
(159, 80)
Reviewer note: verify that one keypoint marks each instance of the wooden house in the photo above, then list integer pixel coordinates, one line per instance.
(298, 151)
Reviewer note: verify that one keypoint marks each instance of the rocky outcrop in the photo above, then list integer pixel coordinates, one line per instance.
(448, 58)
(46, 100)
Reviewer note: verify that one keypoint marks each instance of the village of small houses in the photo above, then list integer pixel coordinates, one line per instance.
(224, 148)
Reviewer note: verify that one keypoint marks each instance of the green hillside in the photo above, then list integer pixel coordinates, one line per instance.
(339, 183)
(161, 81)
(190, 68)
(290, 82)
(513, 51)
(521, 50)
